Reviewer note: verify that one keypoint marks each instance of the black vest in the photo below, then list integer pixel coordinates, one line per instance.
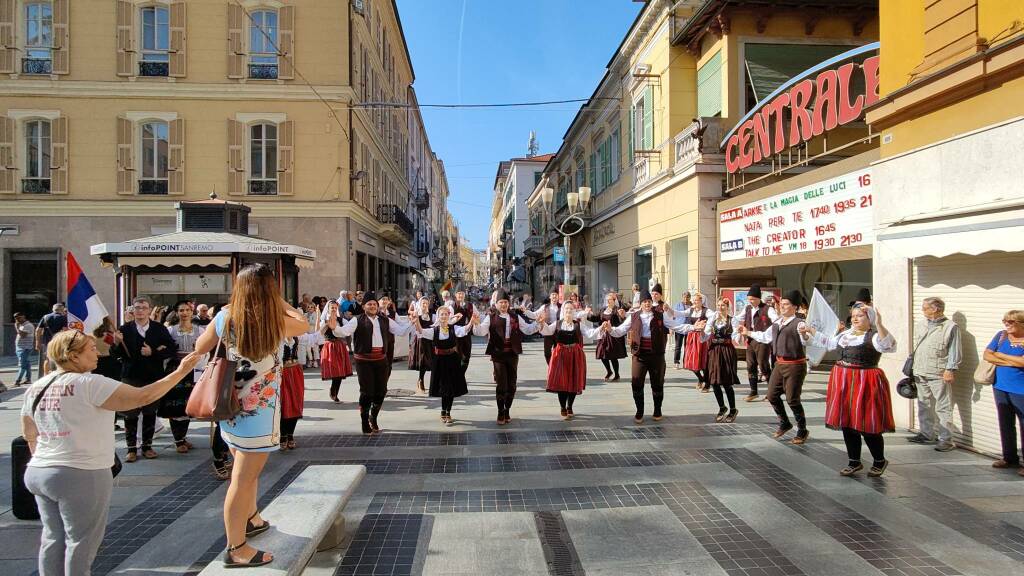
(863, 355)
(362, 338)
(658, 332)
(569, 337)
(757, 319)
(496, 334)
(786, 340)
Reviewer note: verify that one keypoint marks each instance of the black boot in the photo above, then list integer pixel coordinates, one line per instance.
(374, 411)
(364, 417)
(639, 401)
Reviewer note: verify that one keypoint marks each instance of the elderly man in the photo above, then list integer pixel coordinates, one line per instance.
(936, 355)
(202, 317)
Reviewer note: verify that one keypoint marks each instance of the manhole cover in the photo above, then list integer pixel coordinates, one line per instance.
(400, 392)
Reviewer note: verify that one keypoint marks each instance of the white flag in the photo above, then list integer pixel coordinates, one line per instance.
(824, 320)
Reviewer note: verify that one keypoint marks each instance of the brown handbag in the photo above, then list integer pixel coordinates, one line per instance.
(214, 397)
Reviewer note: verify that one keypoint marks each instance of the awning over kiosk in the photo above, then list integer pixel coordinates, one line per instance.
(973, 235)
(195, 249)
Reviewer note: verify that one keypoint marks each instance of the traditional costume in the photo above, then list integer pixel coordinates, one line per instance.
(293, 391)
(719, 334)
(335, 364)
(504, 345)
(447, 378)
(610, 349)
(567, 372)
(421, 354)
(790, 369)
(372, 337)
(548, 313)
(695, 357)
(465, 343)
(758, 355)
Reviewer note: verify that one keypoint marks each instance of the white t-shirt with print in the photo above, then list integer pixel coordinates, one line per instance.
(73, 430)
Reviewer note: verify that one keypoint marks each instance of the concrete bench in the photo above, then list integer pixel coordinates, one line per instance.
(305, 518)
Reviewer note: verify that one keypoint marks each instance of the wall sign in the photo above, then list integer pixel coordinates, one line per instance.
(835, 213)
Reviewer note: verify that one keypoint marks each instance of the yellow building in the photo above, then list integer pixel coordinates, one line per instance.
(111, 110)
(950, 193)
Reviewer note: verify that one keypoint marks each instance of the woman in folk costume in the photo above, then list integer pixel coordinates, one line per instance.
(464, 310)
(447, 379)
(335, 364)
(720, 333)
(696, 350)
(293, 391)
(567, 372)
(609, 348)
(858, 401)
(421, 354)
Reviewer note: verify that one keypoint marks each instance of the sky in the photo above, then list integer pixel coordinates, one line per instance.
(497, 51)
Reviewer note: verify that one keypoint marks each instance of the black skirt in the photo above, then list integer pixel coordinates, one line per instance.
(721, 366)
(446, 377)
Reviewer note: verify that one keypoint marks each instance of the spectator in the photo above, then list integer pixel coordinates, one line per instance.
(70, 431)
(24, 343)
(937, 357)
(345, 303)
(1006, 351)
(49, 326)
(682, 308)
(202, 315)
(107, 365)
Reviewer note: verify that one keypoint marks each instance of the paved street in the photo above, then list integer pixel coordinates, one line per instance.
(596, 496)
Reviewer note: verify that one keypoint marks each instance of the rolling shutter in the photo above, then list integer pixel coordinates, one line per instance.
(59, 156)
(236, 158)
(8, 168)
(977, 290)
(61, 38)
(178, 52)
(709, 87)
(176, 157)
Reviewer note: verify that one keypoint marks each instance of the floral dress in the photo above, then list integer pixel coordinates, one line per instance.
(257, 427)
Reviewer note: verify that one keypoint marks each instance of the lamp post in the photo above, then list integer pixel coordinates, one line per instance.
(573, 222)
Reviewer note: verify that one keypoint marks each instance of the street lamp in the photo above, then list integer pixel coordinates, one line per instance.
(573, 222)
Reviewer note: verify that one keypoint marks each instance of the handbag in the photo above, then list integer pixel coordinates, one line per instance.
(214, 397)
(908, 364)
(985, 374)
(115, 468)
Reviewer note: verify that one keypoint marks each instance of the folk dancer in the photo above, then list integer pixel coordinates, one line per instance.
(465, 343)
(421, 353)
(757, 317)
(447, 377)
(681, 308)
(695, 358)
(504, 331)
(788, 339)
(610, 349)
(293, 391)
(858, 401)
(721, 332)
(647, 335)
(372, 336)
(335, 364)
(567, 372)
(549, 312)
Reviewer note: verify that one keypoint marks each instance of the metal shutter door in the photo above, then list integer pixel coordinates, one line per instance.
(977, 290)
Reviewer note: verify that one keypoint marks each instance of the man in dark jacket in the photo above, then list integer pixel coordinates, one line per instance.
(143, 347)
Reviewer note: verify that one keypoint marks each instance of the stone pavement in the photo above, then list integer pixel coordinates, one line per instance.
(597, 495)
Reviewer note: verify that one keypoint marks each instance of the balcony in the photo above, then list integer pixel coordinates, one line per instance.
(641, 171)
(698, 144)
(534, 245)
(397, 226)
(421, 198)
(422, 249)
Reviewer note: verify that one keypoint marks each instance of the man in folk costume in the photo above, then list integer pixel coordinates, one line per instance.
(757, 317)
(647, 335)
(372, 335)
(465, 344)
(504, 330)
(788, 336)
(548, 313)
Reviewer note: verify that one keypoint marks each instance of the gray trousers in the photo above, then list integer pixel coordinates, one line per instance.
(73, 506)
(934, 407)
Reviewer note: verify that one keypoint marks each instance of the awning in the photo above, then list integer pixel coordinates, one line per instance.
(772, 65)
(972, 235)
(213, 260)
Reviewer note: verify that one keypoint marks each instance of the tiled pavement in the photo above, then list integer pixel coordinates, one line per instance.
(596, 496)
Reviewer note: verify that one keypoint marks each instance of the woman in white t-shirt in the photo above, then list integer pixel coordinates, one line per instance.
(71, 434)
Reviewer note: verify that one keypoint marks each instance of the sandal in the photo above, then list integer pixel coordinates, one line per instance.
(851, 470)
(878, 469)
(721, 415)
(264, 558)
(253, 530)
(221, 472)
(731, 416)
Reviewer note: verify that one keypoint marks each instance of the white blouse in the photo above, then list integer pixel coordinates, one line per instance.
(435, 333)
(586, 328)
(715, 321)
(848, 338)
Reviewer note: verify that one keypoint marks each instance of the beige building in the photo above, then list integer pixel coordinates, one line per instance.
(112, 110)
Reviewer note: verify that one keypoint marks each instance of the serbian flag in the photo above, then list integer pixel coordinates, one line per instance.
(85, 311)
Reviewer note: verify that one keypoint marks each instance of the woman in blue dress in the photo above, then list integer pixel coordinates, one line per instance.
(253, 328)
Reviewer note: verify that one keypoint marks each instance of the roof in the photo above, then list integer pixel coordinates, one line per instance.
(182, 243)
(540, 158)
(697, 24)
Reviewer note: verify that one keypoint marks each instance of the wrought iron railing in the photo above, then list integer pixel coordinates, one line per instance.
(393, 214)
(35, 185)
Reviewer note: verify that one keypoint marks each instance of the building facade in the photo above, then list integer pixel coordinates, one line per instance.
(509, 233)
(113, 110)
(949, 188)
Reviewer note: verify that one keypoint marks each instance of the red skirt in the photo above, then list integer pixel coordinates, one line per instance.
(293, 391)
(859, 398)
(696, 357)
(334, 360)
(568, 369)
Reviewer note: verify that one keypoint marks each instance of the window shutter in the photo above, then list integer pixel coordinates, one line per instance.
(648, 137)
(236, 49)
(286, 158)
(236, 158)
(8, 169)
(632, 135)
(286, 43)
(61, 57)
(709, 87)
(178, 53)
(125, 156)
(592, 180)
(8, 44)
(125, 38)
(176, 157)
(59, 155)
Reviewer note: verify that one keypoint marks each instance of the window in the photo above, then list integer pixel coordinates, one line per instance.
(263, 159)
(709, 87)
(263, 31)
(768, 66)
(592, 179)
(38, 38)
(581, 172)
(155, 58)
(37, 157)
(536, 178)
(643, 266)
(153, 175)
(642, 121)
(616, 154)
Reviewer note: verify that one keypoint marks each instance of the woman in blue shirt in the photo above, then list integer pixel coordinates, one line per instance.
(1006, 352)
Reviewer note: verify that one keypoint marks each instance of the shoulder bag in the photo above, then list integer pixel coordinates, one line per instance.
(213, 397)
(985, 374)
(906, 387)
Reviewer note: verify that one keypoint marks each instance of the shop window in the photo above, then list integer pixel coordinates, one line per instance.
(263, 39)
(154, 58)
(37, 158)
(263, 159)
(643, 266)
(153, 173)
(38, 58)
(33, 283)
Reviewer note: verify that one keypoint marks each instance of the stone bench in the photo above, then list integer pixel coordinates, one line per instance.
(305, 518)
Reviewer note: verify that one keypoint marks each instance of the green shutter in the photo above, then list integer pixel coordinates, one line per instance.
(648, 141)
(606, 166)
(592, 182)
(772, 65)
(709, 87)
(629, 144)
(616, 155)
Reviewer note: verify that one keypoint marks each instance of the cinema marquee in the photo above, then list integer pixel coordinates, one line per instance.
(823, 98)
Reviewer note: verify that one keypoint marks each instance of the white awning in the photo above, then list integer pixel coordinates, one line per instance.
(997, 231)
(212, 260)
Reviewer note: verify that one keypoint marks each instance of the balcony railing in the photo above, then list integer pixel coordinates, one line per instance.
(421, 198)
(393, 214)
(641, 171)
(698, 143)
(534, 245)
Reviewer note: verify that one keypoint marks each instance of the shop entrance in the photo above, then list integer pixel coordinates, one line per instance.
(838, 282)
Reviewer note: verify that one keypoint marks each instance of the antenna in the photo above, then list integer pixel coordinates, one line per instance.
(532, 147)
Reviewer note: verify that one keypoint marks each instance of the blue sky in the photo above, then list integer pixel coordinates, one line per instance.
(511, 51)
